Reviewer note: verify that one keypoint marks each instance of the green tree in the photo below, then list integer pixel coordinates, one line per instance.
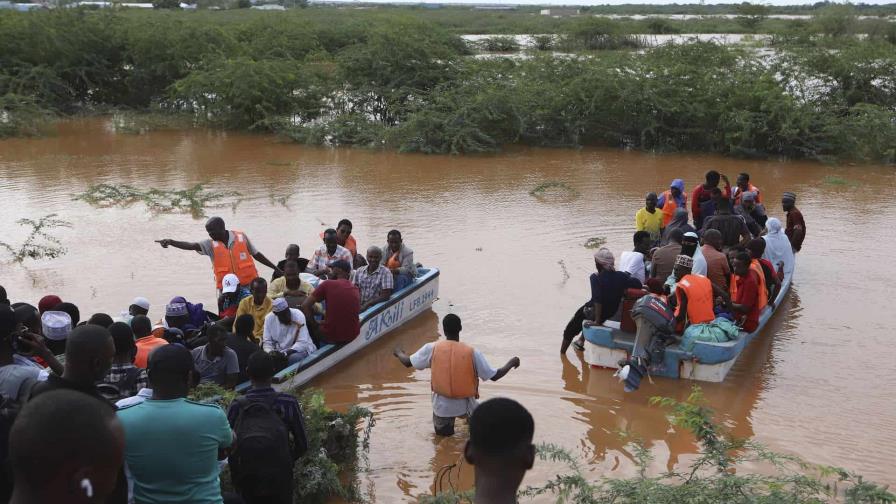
(750, 15)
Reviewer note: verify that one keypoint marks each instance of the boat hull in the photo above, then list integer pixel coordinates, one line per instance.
(707, 361)
(376, 322)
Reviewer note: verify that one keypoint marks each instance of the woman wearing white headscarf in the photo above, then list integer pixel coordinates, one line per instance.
(777, 246)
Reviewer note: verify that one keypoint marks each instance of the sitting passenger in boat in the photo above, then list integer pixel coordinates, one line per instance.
(231, 295)
(290, 286)
(607, 288)
(292, 254)
(373, 281)
(258, 305)
(694, 299)
(716, 266)
(145, 339)
(345, 239)
(680, 222)
(769, 275)
(778, 250)
(457, 369)
(749, 294)
(752, 212)
(123, 379)
(214, 361)
(635, 262)
(327, 253)
(733, 227)
(664, 257)
(399, 259)
(341, 323)
(744, 186)
(240, 341)
(500, 449)
(650, 219)
(286, 331)
(139, 306)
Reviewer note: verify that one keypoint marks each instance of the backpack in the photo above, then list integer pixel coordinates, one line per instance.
(261, 458)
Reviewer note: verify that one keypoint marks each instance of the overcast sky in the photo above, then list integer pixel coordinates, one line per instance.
(608, 2)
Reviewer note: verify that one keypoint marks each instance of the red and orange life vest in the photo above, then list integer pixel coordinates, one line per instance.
(763, 290)
(738, 193)
(453, 371)
(236, 260)
(698, 290)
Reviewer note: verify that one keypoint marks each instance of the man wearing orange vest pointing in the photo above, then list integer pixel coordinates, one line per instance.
(230, 252)
(456, 371)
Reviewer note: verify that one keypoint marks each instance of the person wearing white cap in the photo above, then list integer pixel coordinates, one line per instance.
(285, 331)
(231, 295)
(139, 306)
(56, 326)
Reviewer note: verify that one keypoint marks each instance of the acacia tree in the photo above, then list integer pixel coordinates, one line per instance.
(750, 15)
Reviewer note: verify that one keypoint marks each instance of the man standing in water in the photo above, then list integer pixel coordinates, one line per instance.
(456, 371)
(796, 226)
(229, 251)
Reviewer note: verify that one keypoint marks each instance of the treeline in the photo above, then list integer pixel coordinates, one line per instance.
(390, 81)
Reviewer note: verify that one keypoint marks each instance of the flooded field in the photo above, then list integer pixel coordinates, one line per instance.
(818, 383)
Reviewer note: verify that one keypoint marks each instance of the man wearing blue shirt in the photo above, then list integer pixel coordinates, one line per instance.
(173, 445)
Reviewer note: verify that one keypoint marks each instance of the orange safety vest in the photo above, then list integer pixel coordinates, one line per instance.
(763, 290)
(698, 290)
(751, 188)
(236, 260)
(670, 205)
(393, 261)
(453, 371)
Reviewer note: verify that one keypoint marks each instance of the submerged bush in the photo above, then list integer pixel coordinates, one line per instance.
(500, 44)
(387, 80)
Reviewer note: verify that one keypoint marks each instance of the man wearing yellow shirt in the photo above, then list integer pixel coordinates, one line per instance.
(650, 219)
(258, 305)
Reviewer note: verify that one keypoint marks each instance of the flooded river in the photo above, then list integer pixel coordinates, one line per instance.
(818, 383)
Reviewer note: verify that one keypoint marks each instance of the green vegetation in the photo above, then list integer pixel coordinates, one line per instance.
(710, 478)
(399, 78)
(331, 465)
(595, 242)
(500, 44)
(193, 200)
(39, 244)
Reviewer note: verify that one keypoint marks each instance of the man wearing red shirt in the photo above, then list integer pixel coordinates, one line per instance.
(703, 192)
(745, 305)
(341, 323)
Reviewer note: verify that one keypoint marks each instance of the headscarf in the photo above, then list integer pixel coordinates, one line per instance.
(777, 246)
(605, 258)
(195, 311)
(679, 221)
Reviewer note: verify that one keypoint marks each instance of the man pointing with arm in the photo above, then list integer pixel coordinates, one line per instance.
(229, 251)
(456, 371)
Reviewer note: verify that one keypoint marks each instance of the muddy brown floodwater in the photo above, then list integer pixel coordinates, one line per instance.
(819, 382)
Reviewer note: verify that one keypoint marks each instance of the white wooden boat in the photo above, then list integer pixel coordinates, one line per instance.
(376, 322)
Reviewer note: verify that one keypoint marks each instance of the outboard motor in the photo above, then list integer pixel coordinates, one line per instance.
(654, 320)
